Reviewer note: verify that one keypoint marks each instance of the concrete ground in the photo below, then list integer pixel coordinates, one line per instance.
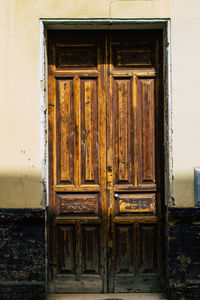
(137, 296)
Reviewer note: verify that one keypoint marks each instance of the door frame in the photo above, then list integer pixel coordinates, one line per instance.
(46, 24)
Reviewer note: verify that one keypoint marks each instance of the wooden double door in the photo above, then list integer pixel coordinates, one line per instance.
(105, 161)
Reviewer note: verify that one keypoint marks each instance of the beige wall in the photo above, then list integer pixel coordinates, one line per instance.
(20, 172)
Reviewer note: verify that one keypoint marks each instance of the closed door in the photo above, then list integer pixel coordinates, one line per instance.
(105, 161)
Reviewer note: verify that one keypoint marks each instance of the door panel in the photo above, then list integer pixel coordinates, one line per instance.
(105, 161)
(134, 203)
(146, 138)
(124, 249)
(89, 132)
(67, 250)
(90, 249)
(135, 216)
(65, 131)
(77, 131)
(123, 130)
(75, 204)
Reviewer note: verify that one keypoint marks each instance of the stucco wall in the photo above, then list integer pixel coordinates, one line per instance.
(20, 171)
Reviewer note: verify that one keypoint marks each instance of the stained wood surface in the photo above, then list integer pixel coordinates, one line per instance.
(105, 161)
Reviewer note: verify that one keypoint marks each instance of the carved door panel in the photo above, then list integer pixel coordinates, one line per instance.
(105, 162)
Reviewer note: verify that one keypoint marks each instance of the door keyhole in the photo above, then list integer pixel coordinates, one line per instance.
(109, 176)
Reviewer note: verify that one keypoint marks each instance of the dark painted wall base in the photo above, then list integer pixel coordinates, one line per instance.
(22, 254)
(183, 265)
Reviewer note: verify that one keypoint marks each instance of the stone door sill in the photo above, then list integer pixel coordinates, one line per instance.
(134, 296)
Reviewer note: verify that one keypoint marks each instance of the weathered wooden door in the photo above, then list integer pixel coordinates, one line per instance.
(105, 161)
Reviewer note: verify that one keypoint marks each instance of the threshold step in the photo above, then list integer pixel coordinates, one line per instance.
(131, 296)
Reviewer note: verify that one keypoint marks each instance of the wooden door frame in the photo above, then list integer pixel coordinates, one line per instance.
(107, 24)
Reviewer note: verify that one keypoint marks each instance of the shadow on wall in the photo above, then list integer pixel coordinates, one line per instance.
(23, 191)
(20, 191)
(183, 191)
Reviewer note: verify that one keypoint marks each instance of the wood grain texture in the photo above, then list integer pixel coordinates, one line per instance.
(145, 131)
(122, 131)
(148, 260)
(89, 132)
(132, 57)
(77, 139)
(90, 249)
(134, 216)
(124, 255)
(135, 203)
(77, 142)
(72, 56)
(148, 135)
(66, 257)
(65, 140)
(78, 203)
(105, 161)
